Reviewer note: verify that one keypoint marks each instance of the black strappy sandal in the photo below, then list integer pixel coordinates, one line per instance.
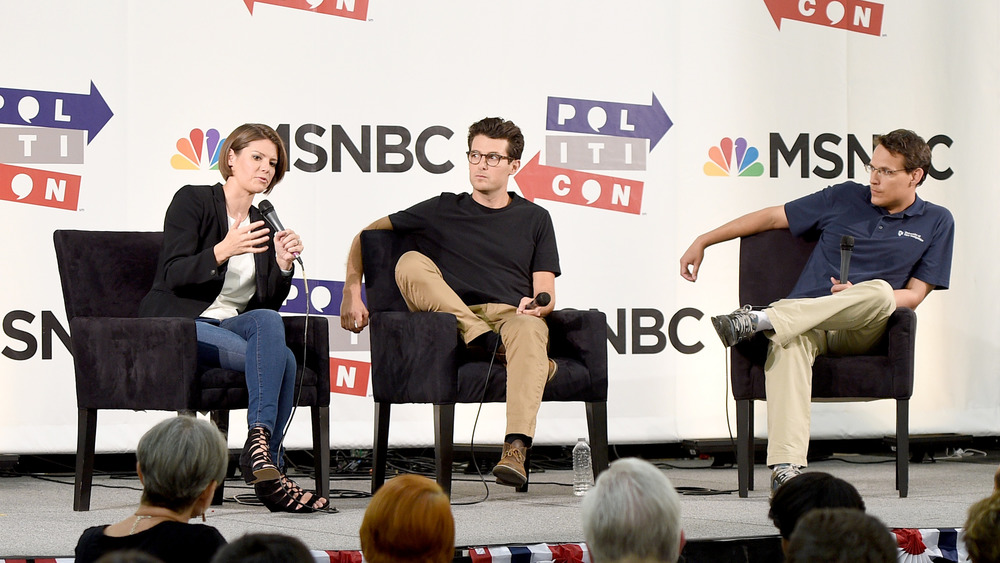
(284, 495)
(256, 464)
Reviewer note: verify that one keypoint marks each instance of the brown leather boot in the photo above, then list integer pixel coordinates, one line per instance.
(510, 469)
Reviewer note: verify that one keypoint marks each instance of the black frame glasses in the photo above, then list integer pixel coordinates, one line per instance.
(492, 159)
(884, 172)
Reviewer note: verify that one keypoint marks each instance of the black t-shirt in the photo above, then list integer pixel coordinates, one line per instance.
(170, 541)
(486, 255)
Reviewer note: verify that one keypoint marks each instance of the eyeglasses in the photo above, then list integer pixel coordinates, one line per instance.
(882, 171)
(492, 159)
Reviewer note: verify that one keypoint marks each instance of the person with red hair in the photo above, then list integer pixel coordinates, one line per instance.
(408, 520)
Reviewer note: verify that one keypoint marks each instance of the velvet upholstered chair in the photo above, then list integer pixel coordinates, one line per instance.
(770, 263)
(419, 358)
(130, 363)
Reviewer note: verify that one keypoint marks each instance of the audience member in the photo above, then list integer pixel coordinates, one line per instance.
(982, 531)
(264, 548)
(840, 535)
(180, 462)
(633, 514)
(408, 520)
(806, 492)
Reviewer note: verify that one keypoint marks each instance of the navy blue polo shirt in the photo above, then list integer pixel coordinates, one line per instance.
(915, 243)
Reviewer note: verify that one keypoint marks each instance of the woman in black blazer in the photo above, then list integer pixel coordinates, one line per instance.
(223, 266)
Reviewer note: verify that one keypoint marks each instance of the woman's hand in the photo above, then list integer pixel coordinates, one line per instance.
(287, 245)
(242, 240)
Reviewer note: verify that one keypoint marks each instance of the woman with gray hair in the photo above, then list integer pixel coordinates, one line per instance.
(180, 462)
(633, 514)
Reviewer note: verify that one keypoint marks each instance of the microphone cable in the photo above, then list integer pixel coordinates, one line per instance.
(472, 438)
(305, 348)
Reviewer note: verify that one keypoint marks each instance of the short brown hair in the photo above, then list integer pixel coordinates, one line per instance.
(912, 147)
(408, 520)
(243, 136)
(499, 128)
(840, 535)
(982, 531)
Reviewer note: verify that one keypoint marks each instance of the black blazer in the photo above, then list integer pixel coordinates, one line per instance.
(187, 278)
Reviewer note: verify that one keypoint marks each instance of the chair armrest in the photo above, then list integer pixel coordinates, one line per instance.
(414, 357)
(315, 344)
(135, 363)
(583, 336)
(901, 330)
(898, 347)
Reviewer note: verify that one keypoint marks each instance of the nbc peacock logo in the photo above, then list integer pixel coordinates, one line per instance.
(198, 151)
(733, 159)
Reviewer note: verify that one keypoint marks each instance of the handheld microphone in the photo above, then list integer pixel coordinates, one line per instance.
(267, 210)
(540, 300)
(846, 247)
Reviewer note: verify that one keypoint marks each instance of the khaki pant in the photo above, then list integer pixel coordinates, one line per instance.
(846, 323)
(525, 337)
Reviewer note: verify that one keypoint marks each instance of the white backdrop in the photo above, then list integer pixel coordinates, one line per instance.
(371, 76)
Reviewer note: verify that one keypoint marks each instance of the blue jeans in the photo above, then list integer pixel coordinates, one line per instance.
(254, 343)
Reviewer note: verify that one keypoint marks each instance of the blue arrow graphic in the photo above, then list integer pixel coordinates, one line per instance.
(608, 118)
(87, 112)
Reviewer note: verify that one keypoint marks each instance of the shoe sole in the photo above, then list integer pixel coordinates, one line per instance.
(265, 474)
(723, 329)
(509, 477)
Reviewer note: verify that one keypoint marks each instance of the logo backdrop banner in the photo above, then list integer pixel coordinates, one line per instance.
(646, 124)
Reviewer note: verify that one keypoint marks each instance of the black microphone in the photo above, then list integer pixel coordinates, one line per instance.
(846, 247)
(267, 210)
(540, 300)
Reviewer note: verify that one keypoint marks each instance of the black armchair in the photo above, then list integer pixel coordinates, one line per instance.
(125, 362)
(418, 358)
(770, 263)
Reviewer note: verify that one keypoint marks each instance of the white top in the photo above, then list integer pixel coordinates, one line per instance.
(239, 286)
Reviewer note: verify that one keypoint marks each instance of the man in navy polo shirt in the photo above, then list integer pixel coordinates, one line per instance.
(902, 251)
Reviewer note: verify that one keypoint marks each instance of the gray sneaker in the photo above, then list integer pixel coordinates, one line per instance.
(782, 474)
(736, 326)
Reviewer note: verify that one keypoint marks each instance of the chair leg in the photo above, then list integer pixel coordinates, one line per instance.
(444, 444)
(221, 420)
(86, 438)
(597, 426)
(321, 449)
(744, 445)
(751, 450)
(380, 444)
(903, 446)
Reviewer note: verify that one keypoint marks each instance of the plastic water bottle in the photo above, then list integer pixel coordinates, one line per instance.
(583, 474)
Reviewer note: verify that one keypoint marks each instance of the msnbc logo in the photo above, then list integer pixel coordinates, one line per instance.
(725, 163)
(190, 150)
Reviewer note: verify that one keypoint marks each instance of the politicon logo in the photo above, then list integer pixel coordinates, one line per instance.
(351, 9)
(198, 151)
(589, 135)
(40, 128)
(731, 158)
(856, 16)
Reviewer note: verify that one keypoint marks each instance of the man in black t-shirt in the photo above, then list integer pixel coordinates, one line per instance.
(484, 257)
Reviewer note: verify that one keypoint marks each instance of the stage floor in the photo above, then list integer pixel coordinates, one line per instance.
(37, 520)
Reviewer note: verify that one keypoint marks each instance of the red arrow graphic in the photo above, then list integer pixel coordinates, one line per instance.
(859, 16)
(579, 188)
(354, 9)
